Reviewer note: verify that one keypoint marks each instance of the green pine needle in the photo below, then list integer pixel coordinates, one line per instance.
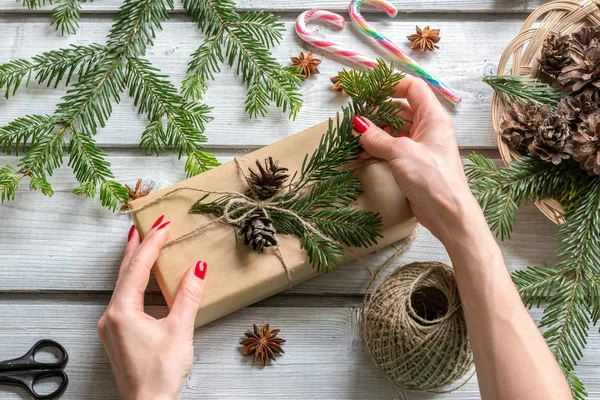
(523, 89)
(243, 43)
(9, 183)
(66, 16)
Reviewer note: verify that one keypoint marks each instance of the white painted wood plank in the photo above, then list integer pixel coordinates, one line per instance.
(407, 6)
(461, 62)
(325, 355)
(71, 243)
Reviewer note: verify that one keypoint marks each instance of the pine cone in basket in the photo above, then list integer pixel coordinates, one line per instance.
(586, 144)
(582, 74)
(575, 109)
(258, 231)
(521, 124)
(552, 142)
(265, 183)
(555, 54)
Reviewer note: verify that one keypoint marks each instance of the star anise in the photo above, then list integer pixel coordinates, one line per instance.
(337, 84)
(263, 343)
(307, 64)
(137, 192)
(425, 39)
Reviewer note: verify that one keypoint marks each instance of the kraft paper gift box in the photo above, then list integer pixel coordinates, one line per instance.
(237, 277)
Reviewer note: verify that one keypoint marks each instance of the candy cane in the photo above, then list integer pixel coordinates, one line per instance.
(332, 48)
(397, 52)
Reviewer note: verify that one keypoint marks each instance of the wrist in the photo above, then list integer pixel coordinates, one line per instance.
(460, 220)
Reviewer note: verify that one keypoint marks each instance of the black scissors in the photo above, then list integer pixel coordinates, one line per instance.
(26, 371)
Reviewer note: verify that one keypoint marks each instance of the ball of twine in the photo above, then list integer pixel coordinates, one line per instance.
(415, 330)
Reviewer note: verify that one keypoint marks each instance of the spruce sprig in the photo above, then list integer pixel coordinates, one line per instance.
(371, 91)
(571, 289)
(243, 42)
(523, 89)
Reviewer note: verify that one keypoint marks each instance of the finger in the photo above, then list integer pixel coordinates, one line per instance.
(374, 140)
(133, 242)
(130, 289)
(418, 93)
(188, 297)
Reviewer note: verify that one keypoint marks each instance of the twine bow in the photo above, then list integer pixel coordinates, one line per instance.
(239, 206)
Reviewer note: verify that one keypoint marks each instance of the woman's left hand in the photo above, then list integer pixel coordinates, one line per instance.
(150, 358)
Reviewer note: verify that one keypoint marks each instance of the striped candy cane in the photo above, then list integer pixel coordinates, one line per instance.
(396, 51)
(329, 47)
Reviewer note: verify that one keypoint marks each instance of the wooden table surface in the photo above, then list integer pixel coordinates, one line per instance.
(59, 256)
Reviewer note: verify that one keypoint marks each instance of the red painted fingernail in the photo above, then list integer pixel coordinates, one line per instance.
(200, 270)
(158, 221)
(131, 230)
(163, 225)
(360, 124)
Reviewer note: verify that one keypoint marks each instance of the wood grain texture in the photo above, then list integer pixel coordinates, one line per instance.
(74, 244)
(325, 356)
(406, 6)
(460, 63)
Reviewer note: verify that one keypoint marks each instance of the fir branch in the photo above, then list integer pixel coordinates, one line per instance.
(336, 148)
(535, 284)
(66, 16)
(371, 90)
(323, 255)
(577, 388)
(350, 226)
(158, 98)
(20, 133)
(87, 160)
(500, 191)
(204, 65)
(51, 67)
(523, 89)
(265, 78)
(136, 24)
(33, 4)
(9, 183)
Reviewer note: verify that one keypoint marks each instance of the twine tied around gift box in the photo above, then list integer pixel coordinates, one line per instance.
(414, 328)
(239, 206)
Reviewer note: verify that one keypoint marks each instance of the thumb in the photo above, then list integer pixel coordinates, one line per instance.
(189, 296)
(374, 140)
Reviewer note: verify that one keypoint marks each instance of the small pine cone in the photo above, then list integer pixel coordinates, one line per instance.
(553, 140)
(257, 230)
(575, 109)
(521, 124)
(586, 144)
(555, 55)
(582, 73)
(269, 179)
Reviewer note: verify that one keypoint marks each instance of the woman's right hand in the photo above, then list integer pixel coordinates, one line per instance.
(426, 163)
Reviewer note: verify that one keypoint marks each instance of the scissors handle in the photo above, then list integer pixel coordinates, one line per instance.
(28, 361)
(27, 379)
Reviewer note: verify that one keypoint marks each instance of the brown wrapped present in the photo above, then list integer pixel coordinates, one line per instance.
(237, 277)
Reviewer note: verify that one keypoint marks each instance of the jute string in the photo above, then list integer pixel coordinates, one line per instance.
(414, 328)
(239, 206)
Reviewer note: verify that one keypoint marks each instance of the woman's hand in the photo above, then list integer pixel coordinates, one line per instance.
(426, 164)
(150, 358)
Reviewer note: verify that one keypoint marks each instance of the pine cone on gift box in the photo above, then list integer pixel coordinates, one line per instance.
(269, 179)
(582, 73)
(555, 54)
(586, 144)
(552, 142)
(575, 109)
(257, 230)
(521, 124)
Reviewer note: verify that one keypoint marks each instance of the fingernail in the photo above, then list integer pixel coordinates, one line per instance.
(130, 235)
(163, 225)
(200, 270)
(360, 124)
(158, 221)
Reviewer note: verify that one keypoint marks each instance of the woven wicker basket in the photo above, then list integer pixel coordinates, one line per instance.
(521, 57)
